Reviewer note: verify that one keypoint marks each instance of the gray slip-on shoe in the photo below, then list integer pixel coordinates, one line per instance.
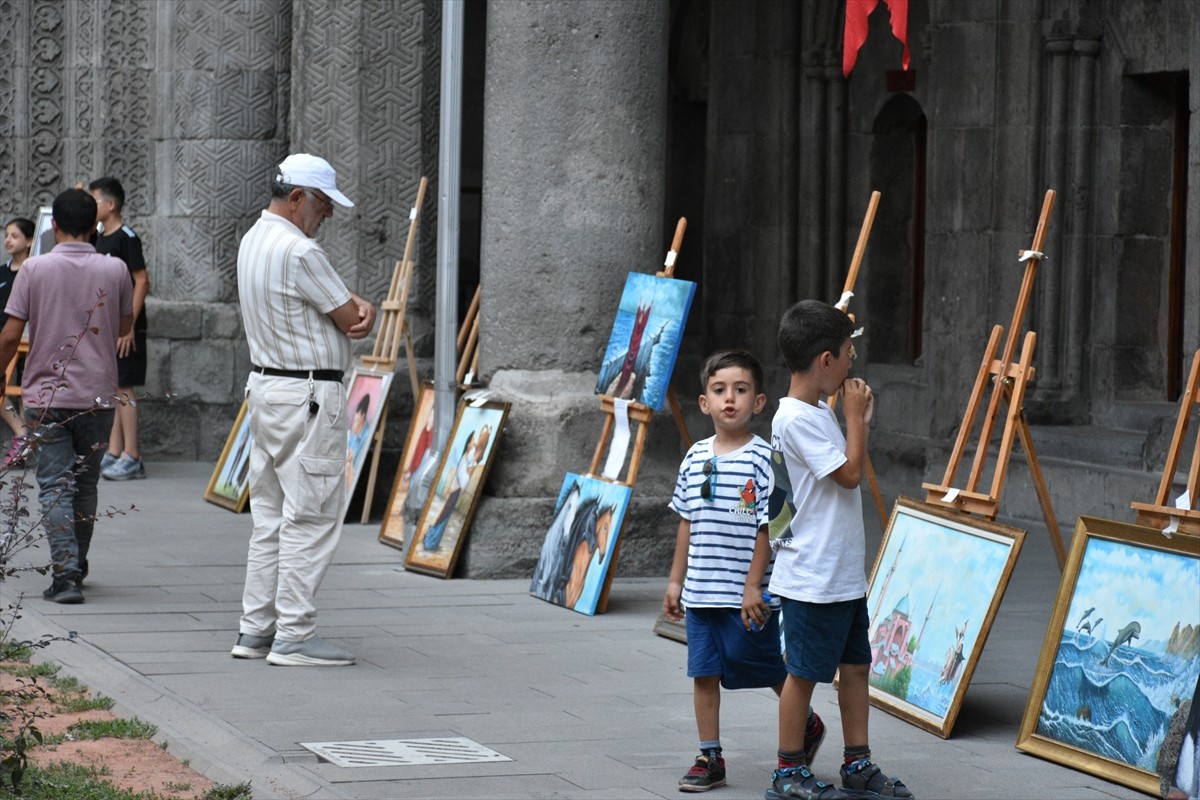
(314, 652)
(251, 646)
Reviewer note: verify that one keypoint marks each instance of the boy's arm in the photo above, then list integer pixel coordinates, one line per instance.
(141, 288)
(671, 608)
(858, 405)
(754, 609)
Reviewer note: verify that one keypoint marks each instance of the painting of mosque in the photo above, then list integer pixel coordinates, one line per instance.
(645, 339)
(928, 624)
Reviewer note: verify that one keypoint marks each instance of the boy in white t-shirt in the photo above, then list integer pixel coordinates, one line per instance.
(723, 560)
(820, 551)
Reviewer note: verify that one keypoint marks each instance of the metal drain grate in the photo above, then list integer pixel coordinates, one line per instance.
(404, 752)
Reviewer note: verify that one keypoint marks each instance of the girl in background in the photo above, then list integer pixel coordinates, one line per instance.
(18, 238)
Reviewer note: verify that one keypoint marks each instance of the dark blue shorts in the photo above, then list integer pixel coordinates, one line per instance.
(718, 644)
(819, 636)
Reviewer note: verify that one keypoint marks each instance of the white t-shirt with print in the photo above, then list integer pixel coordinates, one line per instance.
(821, 557)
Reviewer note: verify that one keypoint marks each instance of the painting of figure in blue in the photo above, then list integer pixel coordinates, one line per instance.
(645, 339)
(577, 552)
(1127, 653)
(461, 474)
(928, 623)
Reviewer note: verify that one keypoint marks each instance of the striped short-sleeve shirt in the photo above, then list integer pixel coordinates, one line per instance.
(287, 288)
(725, 527)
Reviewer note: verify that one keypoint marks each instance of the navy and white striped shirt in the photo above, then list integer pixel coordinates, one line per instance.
(724, 528)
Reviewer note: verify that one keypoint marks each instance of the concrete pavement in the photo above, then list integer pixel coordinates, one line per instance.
(585, 707)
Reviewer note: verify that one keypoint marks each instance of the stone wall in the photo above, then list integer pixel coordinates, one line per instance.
(602, 123)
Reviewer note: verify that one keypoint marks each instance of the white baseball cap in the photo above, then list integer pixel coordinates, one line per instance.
(311, 172)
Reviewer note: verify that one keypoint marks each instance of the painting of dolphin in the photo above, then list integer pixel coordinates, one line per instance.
(1124, 636)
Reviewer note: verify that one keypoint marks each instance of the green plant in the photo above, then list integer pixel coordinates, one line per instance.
(19, 713)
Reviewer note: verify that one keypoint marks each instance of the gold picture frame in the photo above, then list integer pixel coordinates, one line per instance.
(229, 486)
(457, 486)
(929, 624)
(1110, 647)
(417, 444)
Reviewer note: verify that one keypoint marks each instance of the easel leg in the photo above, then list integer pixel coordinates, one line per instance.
(377, 444)
(1043, 494)
(875, 493)
(677, 412)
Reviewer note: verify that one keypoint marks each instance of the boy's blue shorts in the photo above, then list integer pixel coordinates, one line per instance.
(718, 644)
(819, 636)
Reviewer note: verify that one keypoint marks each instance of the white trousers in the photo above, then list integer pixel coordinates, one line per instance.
(297, 498)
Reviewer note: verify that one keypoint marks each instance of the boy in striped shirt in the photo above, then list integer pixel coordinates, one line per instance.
(722, 498)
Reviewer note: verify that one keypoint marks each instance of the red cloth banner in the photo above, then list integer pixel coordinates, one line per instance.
(855, 32)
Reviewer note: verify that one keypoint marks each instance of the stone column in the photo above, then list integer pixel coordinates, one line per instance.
(573, 170)
(219, 126)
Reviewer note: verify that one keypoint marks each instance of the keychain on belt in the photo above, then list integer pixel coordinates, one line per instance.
(313, 405)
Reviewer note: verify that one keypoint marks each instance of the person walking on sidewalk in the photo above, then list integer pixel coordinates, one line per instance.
(76, 304)
(299, 318)
(722, 561)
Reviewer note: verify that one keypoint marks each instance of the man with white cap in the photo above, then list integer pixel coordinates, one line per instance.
(299, 319)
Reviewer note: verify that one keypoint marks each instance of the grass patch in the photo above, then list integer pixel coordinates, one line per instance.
(65, 781)
(25, 669)
(83, 702)
(240, 791)
(68, 683)
(113, 729)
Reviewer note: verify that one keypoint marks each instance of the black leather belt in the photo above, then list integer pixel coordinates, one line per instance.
(334, 375)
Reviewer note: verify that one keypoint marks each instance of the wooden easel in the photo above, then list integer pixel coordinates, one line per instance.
(1009, 380)
(843, 303)
(642, 415)
(468, 344)
(1159, 513)
(393, 326)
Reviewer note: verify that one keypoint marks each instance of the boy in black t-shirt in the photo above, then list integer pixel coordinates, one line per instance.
(123, 461)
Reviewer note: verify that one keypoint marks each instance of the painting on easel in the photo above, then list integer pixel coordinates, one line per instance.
(416, 445)
(1121, 652)
(928, 624)
(578, 550)
(645, 339)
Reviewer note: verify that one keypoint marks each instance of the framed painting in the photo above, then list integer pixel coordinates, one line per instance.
(928, 624)
(1121, 654)
(229, 486)
(670, 629)
(645, 339)
(579, 548)
(365, 403)
(43, 232)
(416, 445)
(454, 494)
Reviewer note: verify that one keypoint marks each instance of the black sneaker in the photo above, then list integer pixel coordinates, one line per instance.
(64, 591)
(814, 735)
(868, 780)
(800, 783)
(705, 774)
(83, 573)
